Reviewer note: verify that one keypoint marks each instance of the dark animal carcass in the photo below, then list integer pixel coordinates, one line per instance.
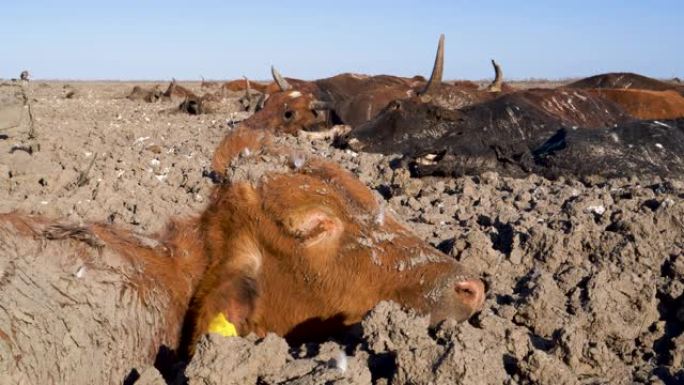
(549, 132)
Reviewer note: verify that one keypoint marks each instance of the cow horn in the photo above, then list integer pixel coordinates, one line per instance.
(248, 91)
(498, 78)
(438, 69)
(280, 80)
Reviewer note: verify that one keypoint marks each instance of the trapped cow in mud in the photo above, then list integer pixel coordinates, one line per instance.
(352, 99)
(645, 104)
(301, 249)
(208, 84)
(218, 101)
(625, 80)
(151, 95)
(239, 85)
(549, 132)
(175, 92)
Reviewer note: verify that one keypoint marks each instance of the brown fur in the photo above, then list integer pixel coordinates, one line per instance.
(302, 252)
(175, 91)
(236, 143)
(307, 228)
(625, 80)
(240, 85)
(645, 104)
(158, 262)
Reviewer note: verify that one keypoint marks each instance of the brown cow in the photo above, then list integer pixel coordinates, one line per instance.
(302, 249)
(353, 99)
(241, 86)
(175, 91)
(216, 102)
(645, 104)
(148, 95)
(625, 80)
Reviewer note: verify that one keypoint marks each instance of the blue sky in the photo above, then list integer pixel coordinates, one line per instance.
(150, 39)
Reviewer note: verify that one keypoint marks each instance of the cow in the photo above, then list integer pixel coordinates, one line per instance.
(176, 92)
(636, 148)
(352, 99)
(625, 80)
(151, 95)
(218, 101)
(241, 86)
(645, 104)
(302, 249)
(520, 133)
(205, 84)
(205, 104)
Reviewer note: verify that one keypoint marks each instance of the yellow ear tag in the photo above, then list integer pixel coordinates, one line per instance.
(220, 325)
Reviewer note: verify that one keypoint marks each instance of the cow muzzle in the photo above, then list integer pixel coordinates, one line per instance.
(457, 297)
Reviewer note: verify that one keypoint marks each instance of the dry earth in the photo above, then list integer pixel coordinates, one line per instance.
(585, 281)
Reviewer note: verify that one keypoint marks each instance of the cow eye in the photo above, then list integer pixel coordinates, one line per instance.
(288, 115)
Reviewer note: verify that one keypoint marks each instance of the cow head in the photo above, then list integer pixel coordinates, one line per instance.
(302, 248)
(291, 111)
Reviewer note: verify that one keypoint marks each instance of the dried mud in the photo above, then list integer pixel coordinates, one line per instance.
(585, 283)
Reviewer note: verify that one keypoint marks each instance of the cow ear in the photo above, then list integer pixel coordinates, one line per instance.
(315, 227)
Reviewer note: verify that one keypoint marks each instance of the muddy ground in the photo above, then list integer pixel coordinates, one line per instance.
(585, 281)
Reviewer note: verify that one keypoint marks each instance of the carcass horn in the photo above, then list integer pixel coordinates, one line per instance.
(437, 70)
(498, 78)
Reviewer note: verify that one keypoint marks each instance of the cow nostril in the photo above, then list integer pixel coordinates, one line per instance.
(471, 293)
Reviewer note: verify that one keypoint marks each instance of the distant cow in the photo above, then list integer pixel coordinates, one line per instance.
(208, 84)
(151, 95)
(548, 132)
(645, 104)
(625, 80)
(241, 86)
(302, 249)
(219, 101)
(353, 99)
(175, 91)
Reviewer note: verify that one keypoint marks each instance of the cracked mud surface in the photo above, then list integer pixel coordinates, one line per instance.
(585, 283)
